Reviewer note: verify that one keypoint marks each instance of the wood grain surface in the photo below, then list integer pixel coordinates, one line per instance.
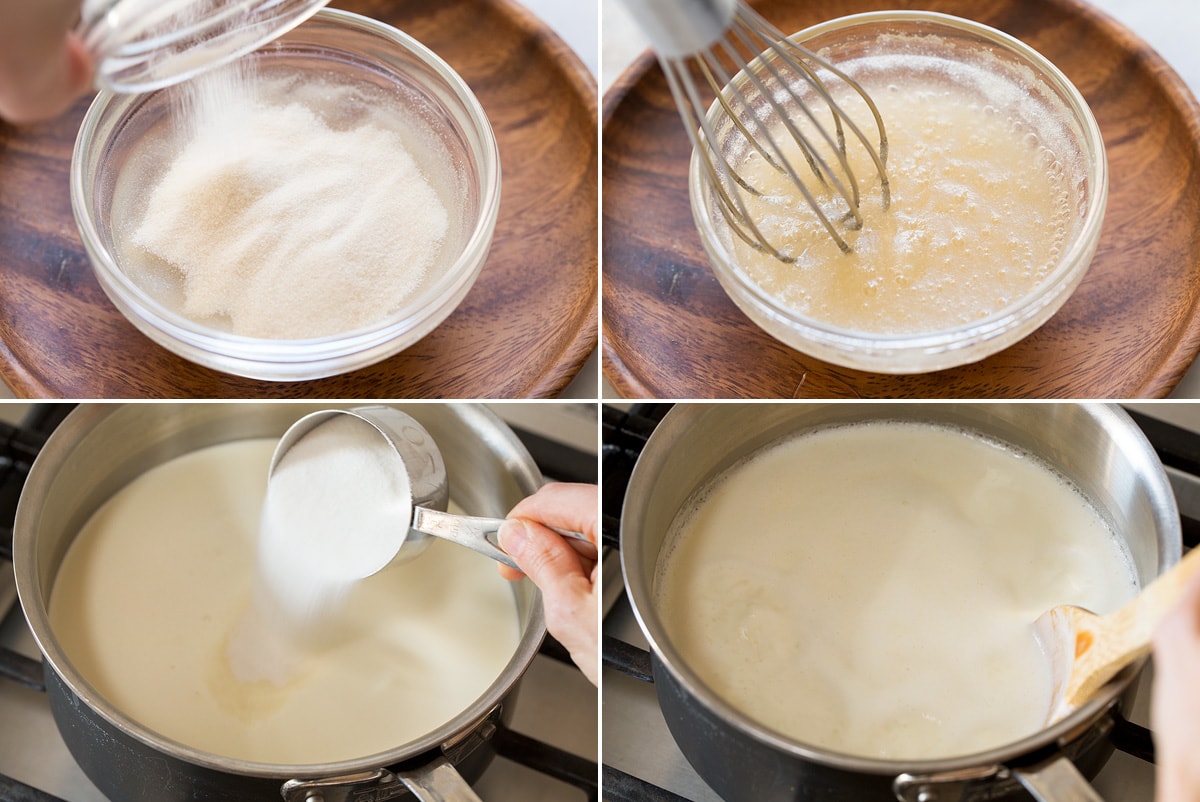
(524, 330)
(1130, 330)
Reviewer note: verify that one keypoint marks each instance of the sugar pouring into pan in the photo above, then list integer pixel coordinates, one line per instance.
(357, 488)
(349, 492)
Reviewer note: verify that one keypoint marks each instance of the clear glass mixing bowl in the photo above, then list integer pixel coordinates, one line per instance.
(1065, 111)
(335, 42)
(139, 45)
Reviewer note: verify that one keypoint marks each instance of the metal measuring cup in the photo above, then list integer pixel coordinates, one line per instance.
(429, 495)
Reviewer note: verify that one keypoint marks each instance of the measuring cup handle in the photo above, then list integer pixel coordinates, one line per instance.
(478, 534)
(585, 547)
(465, 530)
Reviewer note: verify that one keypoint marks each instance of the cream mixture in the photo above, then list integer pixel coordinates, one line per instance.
(980, 208)
(871, 589)
(154, 586)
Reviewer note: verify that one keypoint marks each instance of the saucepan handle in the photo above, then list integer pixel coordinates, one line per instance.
(1057, 781)
(435, 781)
(438, 781)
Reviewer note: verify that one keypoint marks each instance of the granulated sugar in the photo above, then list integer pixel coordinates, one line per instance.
(338, 507)
(281, 222)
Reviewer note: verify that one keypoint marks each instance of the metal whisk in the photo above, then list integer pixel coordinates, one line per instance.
(703, 36)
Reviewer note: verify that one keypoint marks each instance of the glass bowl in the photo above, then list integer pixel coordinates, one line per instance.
(139, 45)
(915, 40)
(332, 45)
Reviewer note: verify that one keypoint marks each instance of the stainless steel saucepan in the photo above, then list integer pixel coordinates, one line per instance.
(101, 447)
(1096, 447)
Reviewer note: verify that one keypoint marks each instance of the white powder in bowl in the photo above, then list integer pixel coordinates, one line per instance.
(285, 223)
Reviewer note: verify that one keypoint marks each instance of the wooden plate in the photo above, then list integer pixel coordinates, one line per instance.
(1130, 330)
(525, 329)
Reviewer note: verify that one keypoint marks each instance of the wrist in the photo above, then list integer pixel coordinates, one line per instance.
(1177, 780)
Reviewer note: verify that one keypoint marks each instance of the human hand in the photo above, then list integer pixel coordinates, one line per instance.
(567, 576)
(44, 67)
(1175, 703)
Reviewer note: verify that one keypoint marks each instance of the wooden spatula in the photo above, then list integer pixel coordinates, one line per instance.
(1087, 650)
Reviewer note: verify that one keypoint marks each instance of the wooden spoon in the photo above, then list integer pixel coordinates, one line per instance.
(1087, 650)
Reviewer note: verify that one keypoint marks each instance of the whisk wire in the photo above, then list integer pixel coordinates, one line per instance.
(723, 174)
(755, 43)
(716, 76)
(777, 80)
(683, 89)
(716, 82)
(879, 155)
(847, 188)
(738, 107)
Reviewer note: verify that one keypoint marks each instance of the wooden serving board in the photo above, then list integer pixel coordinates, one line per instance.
(524, 330)
(1130, 330)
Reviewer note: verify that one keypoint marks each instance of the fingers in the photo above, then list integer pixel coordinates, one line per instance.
(567, 506)
(562, 505)
(568, 590)
(543, 555)
(566, 578)
(53, 92)
(1180, 630)
(43, 69)
(80, 69)
(1175, 700)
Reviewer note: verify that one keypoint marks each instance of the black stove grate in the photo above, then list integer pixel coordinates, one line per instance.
(1179, 450)
(13, 791)
(19, 446)
(624, 433)
(622, 787)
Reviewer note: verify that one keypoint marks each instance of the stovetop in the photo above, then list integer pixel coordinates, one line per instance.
(548, 755)
(641, 760)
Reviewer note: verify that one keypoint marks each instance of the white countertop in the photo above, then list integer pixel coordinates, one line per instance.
(576, 21)
(1169, 26)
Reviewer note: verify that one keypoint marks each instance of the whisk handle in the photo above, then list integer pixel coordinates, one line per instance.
(679, 28)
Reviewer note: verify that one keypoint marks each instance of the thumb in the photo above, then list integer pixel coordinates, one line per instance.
(61, 76)
(541, 554)
(511, 537)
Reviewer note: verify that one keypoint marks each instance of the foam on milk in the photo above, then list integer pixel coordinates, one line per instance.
(871, 589)
(156, 583)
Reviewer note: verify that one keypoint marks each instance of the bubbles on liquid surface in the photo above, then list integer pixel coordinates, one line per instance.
(980, 212)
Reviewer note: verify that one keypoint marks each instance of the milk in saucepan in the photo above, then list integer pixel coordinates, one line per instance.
(155, 585)
(870, 589)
